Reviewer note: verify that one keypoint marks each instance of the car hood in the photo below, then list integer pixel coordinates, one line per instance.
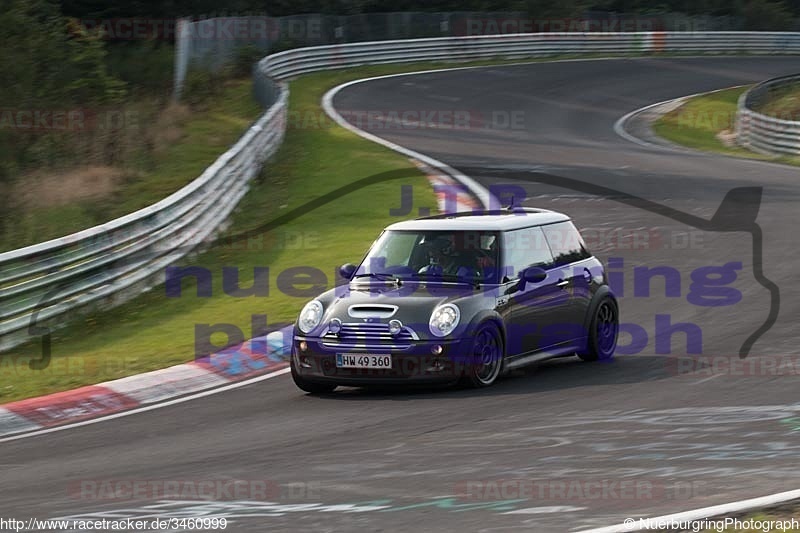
(378, 302)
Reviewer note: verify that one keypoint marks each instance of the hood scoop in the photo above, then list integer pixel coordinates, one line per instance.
(372, 311)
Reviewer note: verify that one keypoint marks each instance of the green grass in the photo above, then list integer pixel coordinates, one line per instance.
(698, 122)
(154, 331)
(784, 104)
(204, 139)
(205, 135)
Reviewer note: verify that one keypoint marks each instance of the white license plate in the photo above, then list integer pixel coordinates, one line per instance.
(363, 360)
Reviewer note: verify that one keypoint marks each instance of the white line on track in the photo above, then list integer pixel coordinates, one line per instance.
(478, 190)
(483, 194)
(699, 514)
(707, 379)
(619, 125)
(619, 129)
(182, 399)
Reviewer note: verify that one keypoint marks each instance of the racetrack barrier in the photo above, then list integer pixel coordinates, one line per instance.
(762, 133)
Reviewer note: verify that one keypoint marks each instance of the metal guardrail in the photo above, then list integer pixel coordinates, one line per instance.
(762, 133)
(108, 264)
(210, 44)
(518, 46)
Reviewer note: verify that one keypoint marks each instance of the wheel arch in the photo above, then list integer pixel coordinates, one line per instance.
(487, 316)
(602, 292)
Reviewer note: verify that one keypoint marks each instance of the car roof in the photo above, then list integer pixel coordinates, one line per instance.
(501, 220)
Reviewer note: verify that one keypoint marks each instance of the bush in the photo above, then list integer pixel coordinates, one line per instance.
(147, 67)
(766, 15)
(49, 63)
(201, 85)
(244, 59)
(89, 80)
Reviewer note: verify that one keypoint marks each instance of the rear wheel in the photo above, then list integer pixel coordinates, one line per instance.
(603, 332)
(486, 358)
(312, 387)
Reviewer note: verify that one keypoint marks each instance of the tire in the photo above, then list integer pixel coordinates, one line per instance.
(312, 387)
(487, 349)
(603, 332)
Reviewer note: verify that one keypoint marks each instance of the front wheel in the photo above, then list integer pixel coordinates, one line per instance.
(486, 358)
(603, 332)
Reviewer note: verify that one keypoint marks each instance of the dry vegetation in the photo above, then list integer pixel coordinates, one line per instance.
(51, 189)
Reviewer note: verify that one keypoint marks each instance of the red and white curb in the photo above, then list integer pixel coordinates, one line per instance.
(255, 357)
(451, 196)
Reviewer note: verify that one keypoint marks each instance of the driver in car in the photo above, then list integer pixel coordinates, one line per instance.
(445, 260)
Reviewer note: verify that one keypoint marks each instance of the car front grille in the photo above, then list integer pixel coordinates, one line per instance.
(368, 335)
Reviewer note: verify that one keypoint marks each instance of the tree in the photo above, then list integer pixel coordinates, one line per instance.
(763, 15)
(48, 59)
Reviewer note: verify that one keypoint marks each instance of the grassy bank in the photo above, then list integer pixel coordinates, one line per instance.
(706, 122)
(700, 121)
(784, 104)
(167, 147)
(155, 331)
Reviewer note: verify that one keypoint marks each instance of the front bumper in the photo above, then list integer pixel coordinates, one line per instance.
(415, 363)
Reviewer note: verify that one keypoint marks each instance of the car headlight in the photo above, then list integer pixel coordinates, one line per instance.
(444, 320)
(310, 316)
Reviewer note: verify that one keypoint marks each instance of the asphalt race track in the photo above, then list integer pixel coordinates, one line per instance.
(565, 446)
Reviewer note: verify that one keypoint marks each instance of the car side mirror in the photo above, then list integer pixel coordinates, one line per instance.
(347, 270)
(530, 275)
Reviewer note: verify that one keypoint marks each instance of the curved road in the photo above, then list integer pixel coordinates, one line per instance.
(564, 447)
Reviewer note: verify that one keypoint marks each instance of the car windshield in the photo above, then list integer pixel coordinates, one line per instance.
(458, 256)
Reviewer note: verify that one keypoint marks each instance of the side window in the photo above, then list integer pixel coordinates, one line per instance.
(523, 248)
(566, 243)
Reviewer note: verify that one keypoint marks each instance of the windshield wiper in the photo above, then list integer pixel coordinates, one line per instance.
(381, 276)
(450, 278)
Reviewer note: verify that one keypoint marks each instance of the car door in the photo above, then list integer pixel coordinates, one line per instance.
(537, 307)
